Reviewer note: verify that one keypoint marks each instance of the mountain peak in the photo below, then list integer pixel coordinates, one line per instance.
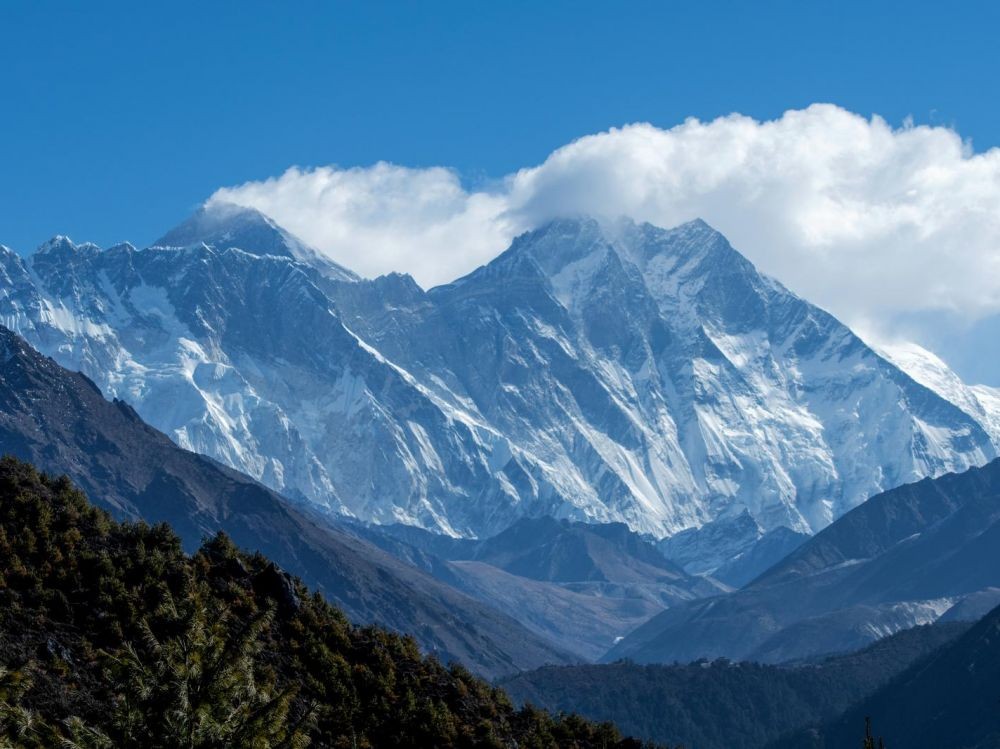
(577, 252)
(59, 240)
(638, 240)
(559, 242)
(698, 225)
(225, 226)
(63, 245)
(695, 238)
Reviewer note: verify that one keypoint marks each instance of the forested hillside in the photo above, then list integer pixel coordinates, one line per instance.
(949, 700)
(111, 636)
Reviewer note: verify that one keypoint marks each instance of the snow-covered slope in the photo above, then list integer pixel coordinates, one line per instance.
(243, 358)
(980, 402)
(613, 373)
(224, 226)
(659, 379)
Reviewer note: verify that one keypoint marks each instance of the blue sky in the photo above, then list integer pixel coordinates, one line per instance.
(119, 117)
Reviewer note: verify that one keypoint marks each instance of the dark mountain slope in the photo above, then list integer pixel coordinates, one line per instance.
(61, 422)
(579, 584)
(110, 636)
(767, 551)
(949, 699)
(562, 551)
(902, 558)
(726, 705)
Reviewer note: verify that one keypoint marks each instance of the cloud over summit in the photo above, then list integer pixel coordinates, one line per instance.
(867, 220)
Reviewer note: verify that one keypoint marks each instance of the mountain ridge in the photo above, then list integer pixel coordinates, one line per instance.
(579, 584)
(908, 556)
(624, 374)
(946, 699)
(730, 705)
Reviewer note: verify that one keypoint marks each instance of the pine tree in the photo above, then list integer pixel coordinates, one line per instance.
(116, 638)
(201, 688)
(870, 742)
(23, 728)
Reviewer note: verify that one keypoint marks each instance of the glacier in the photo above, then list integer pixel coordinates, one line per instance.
(603, 371)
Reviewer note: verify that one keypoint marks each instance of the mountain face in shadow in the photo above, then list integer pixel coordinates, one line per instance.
(583, 585)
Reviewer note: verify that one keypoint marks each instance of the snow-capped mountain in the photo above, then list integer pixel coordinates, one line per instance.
(225, 226)
(668, 384)
(598, 372)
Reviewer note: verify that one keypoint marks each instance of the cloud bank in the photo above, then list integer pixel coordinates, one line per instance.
(872, 222)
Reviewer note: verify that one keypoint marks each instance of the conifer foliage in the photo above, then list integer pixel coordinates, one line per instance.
(110, 636)
(870, 741)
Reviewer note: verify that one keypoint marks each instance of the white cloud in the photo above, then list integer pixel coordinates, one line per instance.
(866, 220)
(384, 218)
